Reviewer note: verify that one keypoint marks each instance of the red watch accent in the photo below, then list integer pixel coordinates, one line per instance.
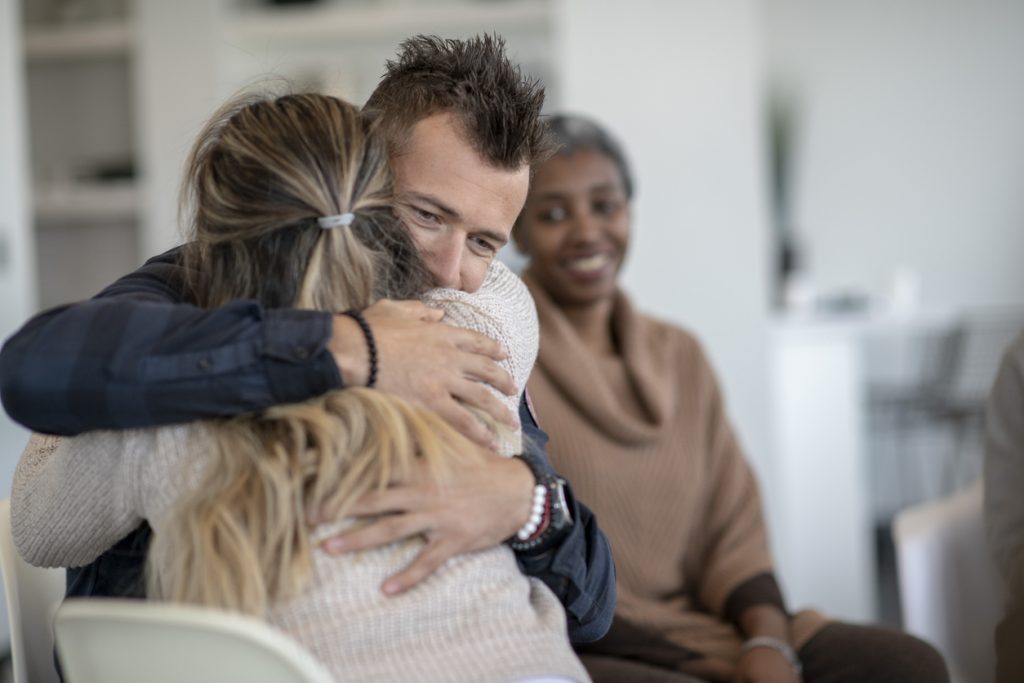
(544, 521)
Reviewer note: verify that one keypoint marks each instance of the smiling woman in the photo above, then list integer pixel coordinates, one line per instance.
(580, 227)
(644, 436)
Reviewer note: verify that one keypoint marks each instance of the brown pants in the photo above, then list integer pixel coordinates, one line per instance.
(840, 653)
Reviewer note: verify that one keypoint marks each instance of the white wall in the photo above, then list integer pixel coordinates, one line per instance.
(16, 252)
(679, 82)
(176, 81)
(912, 146)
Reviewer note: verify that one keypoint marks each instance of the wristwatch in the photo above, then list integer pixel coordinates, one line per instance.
(557, 518)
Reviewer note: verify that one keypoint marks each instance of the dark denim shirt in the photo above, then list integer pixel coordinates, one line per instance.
(139, 355)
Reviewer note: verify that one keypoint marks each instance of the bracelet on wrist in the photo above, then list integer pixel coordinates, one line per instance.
(780, 646)
(371, 344)
(533, 526)
(556, 520)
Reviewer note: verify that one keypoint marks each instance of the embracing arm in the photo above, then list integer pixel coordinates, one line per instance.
(580, 569)
(72, 498)
(138, 355)
(480, 507)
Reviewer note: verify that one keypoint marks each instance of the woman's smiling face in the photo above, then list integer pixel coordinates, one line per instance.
(575, 227)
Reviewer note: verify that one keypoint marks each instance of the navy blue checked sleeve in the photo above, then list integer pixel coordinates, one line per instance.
(580, 570)
(139, 355)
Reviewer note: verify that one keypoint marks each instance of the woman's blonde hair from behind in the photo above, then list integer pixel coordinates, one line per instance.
(262, 172)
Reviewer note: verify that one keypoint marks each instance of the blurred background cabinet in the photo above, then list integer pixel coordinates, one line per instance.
(116, 89)
(79, 73)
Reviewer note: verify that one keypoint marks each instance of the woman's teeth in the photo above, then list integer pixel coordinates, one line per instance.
(589, 264)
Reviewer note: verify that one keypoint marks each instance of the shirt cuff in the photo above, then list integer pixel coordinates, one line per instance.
(298, 364)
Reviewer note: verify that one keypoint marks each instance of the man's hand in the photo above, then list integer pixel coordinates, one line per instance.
(765, 665)
(428, 363)
(477, 507)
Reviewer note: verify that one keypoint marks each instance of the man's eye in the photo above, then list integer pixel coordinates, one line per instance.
(426, 216)
(482, 247)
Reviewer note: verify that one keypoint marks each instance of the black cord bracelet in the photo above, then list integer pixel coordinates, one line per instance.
(371, 345)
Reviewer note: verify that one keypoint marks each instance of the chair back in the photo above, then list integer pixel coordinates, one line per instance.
(951, 592)
(126, 641)
(33, 595)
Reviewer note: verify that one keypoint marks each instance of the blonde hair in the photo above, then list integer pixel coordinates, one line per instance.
(241, 539)
(261, 173)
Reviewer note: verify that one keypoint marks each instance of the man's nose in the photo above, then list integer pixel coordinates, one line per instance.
(446, 263)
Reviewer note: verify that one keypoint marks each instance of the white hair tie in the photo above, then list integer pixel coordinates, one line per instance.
(340, 220)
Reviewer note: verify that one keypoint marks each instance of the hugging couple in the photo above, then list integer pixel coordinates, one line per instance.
(274, 419)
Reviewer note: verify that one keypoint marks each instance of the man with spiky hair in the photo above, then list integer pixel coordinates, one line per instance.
(463, 129)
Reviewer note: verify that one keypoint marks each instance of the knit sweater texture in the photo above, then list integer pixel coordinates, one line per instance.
(503, 310)
(646, 442)
(478, 618)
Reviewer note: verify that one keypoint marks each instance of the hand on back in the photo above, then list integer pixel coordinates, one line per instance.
(477, 507)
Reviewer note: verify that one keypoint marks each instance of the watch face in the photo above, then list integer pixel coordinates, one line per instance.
(560, 502)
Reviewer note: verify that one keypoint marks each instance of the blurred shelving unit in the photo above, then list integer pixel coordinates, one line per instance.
(81, 114)
(116, 90)
(341, 46)
(96, 202)
(384, 21)
(96, 39)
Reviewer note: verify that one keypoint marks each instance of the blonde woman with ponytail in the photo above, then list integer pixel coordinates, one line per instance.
(289, 202)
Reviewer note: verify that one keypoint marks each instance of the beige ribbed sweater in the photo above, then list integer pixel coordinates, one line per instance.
(477, 619)
(648, 447)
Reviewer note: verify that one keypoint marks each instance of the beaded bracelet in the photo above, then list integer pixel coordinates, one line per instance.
(540, 499)
(371, 345)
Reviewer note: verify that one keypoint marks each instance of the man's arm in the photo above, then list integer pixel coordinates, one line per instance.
(139, 355)
(481, 507)
(580, 569)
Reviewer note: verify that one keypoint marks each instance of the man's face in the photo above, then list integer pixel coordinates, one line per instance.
(458, 208)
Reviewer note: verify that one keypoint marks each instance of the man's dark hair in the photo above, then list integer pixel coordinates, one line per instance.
(474, 80)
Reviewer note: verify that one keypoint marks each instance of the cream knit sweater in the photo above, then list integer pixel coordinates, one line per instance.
(477, 619)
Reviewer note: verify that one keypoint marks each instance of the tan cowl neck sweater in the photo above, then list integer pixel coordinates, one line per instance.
(647, 445)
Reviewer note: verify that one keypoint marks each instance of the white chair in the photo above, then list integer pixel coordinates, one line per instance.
(33, 595)
(951, 592)
(127, 641)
